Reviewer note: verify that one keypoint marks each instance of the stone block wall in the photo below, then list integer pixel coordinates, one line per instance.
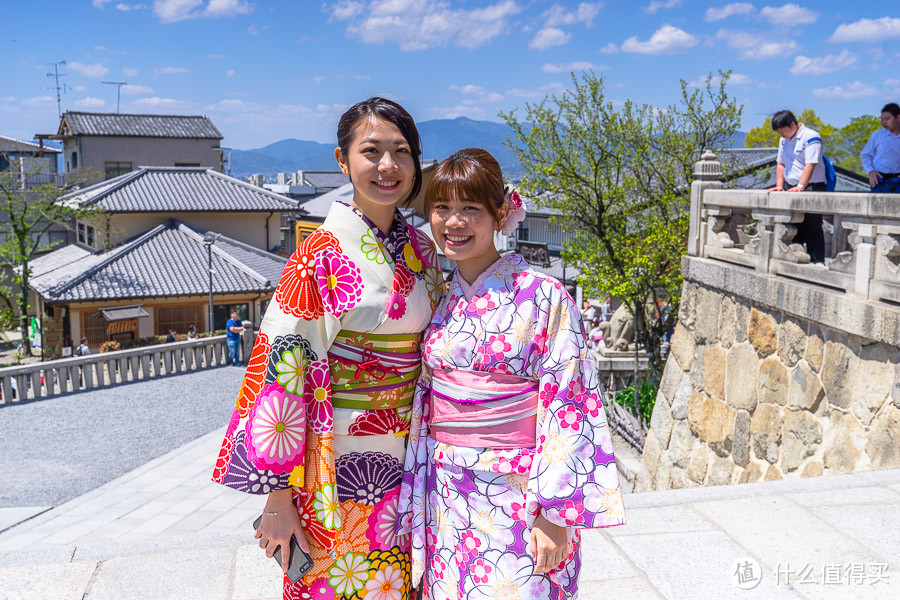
(752, 393)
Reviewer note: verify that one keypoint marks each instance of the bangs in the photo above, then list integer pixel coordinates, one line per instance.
(468, 176)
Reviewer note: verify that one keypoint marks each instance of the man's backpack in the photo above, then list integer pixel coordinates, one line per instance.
(830, 175)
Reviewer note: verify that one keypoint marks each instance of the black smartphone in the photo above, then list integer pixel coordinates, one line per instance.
(301, 562)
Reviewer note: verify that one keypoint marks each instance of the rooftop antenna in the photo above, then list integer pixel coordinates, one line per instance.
(118, 85)
(55, 75)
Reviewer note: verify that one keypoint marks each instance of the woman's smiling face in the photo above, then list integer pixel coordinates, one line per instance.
(379, 162)
(464, 229)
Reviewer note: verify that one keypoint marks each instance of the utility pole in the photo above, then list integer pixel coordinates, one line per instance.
(55, 75)
(118, 85)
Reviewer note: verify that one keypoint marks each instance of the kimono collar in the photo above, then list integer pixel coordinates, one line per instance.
(398, 234)
(503, 271)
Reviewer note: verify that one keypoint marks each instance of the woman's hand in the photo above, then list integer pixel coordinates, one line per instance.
(276, 530)
(549, 545)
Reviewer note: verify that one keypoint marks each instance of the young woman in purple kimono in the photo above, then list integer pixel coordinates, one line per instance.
(510, 453)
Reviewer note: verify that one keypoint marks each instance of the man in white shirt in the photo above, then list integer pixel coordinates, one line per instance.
(800, 166)
(881, 155)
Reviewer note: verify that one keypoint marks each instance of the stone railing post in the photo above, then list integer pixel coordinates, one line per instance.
(248, 338)
(707, 176)
(865, 259)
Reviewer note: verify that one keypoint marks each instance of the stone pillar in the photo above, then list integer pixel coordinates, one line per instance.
(707, 176)
(865, 259)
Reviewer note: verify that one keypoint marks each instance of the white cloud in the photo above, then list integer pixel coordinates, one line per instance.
(788, 15)
(229, 73)
(169, 70)
(539, 92)
(610, 48)
(658, 5)
(156, 101)
(578, 65)
(129, 7)
(464, 110)
(718, 13)
(100, 3)
(362, 77)
(804, 65)
(479, 92)
(214, 56)
(857, 89)
(172, 11)
(665, 40)
(130, 72)
(583, 13)
(317, 79)
(344, 10)
(94, 70)
(423, 24)
(89, 103)
(549, 37)
(80, 88)
(136, 90)
(867, 30)
(39, 101)
(734, 79)
(254, 30)
(757, 47)
(8, 99)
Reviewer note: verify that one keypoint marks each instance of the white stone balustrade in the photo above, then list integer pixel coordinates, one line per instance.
(80, 373)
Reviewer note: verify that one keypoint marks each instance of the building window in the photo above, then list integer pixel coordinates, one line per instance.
(74, 160)
(86, 234)
(187, 164)
(178, 318)
(114, 169)
(222, 312)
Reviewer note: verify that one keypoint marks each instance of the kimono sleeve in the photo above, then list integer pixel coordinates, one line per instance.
(573, 480)
(286, 392)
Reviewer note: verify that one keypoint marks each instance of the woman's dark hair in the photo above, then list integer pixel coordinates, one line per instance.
(891, 107)
(391, 112)
(470, 174)
(783, 118)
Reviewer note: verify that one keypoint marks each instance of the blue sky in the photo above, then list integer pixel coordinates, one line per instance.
(265, 71)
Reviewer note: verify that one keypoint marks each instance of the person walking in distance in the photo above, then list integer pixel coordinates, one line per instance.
(233, 329)
(881, 154)
(801, 167)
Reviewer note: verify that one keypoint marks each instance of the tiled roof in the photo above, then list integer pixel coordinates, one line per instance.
(124, 313)
(116, 124)
(179, 189)
(318, 207)
(10, 145)
(325, 180)
(169, 260)
(749, 162)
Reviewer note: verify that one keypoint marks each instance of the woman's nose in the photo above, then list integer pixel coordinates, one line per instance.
(387, 162)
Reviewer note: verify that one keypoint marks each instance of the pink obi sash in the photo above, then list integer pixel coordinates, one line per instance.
(483, 410)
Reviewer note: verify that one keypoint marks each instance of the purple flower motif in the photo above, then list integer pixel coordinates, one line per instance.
(365, 477)
(244, 476)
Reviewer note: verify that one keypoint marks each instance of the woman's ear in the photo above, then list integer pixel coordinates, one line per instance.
(502, 213)
(342, 161)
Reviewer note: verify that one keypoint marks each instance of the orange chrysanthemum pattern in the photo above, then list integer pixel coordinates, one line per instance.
(297, 293)
(255, 375)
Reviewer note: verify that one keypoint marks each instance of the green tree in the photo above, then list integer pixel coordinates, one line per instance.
(619, 177)
(850, 140)
(764, 137)
(27, 213)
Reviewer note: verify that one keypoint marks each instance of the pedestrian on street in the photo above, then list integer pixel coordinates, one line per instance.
(801, 167)
(83, 349)
(233, 329)
(171, 337)
(881, 155)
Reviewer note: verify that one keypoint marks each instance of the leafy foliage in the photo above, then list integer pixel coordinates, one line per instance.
(28, 211)
(619, 179)
(646, 399)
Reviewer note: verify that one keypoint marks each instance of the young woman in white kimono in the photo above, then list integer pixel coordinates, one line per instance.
(322, 416)
(510, 453)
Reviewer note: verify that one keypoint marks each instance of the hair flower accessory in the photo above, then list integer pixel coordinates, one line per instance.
(516, 213)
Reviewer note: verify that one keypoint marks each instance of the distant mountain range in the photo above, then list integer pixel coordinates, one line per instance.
(440, 138)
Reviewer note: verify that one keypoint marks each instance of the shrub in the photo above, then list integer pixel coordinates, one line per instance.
(110, 346)
(646, 399)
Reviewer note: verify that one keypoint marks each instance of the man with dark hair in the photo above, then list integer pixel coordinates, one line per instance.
(801, 166)
(881, 155)
(233, 329)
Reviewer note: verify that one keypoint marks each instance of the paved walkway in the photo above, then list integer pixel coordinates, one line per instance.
(164, 531)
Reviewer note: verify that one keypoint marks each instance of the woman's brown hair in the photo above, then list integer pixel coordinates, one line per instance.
(470, 174)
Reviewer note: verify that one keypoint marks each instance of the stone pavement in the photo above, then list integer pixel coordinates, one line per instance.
(164, 531)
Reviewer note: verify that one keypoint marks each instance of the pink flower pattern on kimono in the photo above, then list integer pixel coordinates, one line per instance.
(276, 430)
(396, 306)
(340, 282)
(480, 305)
(317, 394)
